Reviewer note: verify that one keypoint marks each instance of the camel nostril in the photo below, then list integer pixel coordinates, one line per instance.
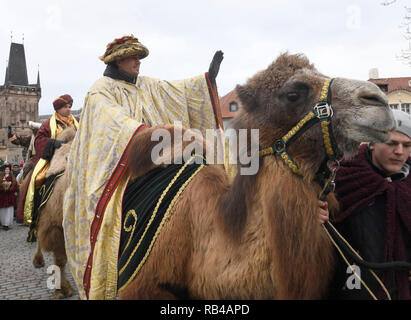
(374, 100)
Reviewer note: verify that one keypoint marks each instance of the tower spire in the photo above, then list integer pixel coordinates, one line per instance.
(7, 72)
(17, 69)
(38, 76)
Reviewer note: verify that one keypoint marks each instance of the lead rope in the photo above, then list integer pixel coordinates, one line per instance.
(359, 256)
(348, 264)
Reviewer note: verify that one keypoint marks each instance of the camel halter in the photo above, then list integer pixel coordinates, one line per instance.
(321, 113)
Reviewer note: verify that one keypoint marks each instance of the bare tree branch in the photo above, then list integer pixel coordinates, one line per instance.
(405, 55)
(387, 3)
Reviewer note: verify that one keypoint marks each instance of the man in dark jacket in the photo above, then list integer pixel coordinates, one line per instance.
(374, 191)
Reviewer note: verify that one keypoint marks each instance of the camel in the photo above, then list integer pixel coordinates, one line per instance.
(50, 236)
(259, 236)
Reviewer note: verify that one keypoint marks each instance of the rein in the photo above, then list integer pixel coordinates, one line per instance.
(322, 113)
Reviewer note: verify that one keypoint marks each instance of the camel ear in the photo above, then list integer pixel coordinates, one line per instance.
(247, 96)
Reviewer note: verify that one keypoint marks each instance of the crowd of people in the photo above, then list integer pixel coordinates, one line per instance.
(374, 188)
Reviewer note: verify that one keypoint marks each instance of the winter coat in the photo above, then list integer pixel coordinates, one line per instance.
(375, 218)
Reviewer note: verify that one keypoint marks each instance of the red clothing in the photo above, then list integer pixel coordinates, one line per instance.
(42, 137)
(8, 197)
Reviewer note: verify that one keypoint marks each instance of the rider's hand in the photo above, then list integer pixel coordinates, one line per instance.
(324, 215)
(215, 65)
(51, 146)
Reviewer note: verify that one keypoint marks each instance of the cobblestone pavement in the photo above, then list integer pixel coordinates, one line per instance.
(19, 280)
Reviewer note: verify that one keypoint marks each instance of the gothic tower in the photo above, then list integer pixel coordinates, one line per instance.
(19, 102)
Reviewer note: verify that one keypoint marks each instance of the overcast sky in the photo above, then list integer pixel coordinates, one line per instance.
(65, 38)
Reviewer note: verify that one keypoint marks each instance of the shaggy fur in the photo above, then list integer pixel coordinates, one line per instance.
(258, 238)
(50, 236)
(143, 144)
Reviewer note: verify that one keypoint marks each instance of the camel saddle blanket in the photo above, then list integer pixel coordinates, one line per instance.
(147, 204)
(41, 196)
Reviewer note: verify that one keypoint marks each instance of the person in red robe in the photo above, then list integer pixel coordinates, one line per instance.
(8, 187)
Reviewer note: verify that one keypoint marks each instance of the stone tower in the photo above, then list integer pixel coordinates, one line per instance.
(19, 102)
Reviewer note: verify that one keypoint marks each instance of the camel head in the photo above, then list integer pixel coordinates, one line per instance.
(276, 99)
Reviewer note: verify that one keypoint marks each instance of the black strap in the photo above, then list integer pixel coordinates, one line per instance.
(387, 266)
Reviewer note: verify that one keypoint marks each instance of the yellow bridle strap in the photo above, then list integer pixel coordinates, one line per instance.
(327, 140)
(325, 90)
(267, 152)
(291, 164)
(298, 127)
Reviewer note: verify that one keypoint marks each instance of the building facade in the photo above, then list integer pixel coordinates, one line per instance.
(230, 105)
(19, 103)
(398, 90)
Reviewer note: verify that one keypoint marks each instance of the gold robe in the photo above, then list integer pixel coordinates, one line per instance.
(114, 111)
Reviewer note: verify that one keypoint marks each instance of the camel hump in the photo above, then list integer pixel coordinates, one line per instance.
(161, 146)
(67, 134)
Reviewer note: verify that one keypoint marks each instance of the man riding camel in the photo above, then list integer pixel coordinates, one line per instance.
(45, 144)
(117, 107)
(27, 142)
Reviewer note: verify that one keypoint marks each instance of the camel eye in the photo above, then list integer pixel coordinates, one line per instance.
(293, 96)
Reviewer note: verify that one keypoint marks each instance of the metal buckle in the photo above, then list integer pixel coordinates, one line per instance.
(279, 146)
(323, 111)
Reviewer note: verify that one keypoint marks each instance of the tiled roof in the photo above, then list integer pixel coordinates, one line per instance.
(394, 84)
(225, 104)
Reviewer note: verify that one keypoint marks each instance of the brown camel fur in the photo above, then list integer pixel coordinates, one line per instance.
(259, 237)
(50, 236)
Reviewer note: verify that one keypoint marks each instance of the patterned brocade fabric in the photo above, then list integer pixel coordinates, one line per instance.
(112, 113)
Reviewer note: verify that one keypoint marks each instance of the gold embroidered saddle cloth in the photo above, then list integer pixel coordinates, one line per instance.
(147, 204)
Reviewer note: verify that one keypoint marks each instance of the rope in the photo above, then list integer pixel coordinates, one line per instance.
(348, 264)
(358, 255)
